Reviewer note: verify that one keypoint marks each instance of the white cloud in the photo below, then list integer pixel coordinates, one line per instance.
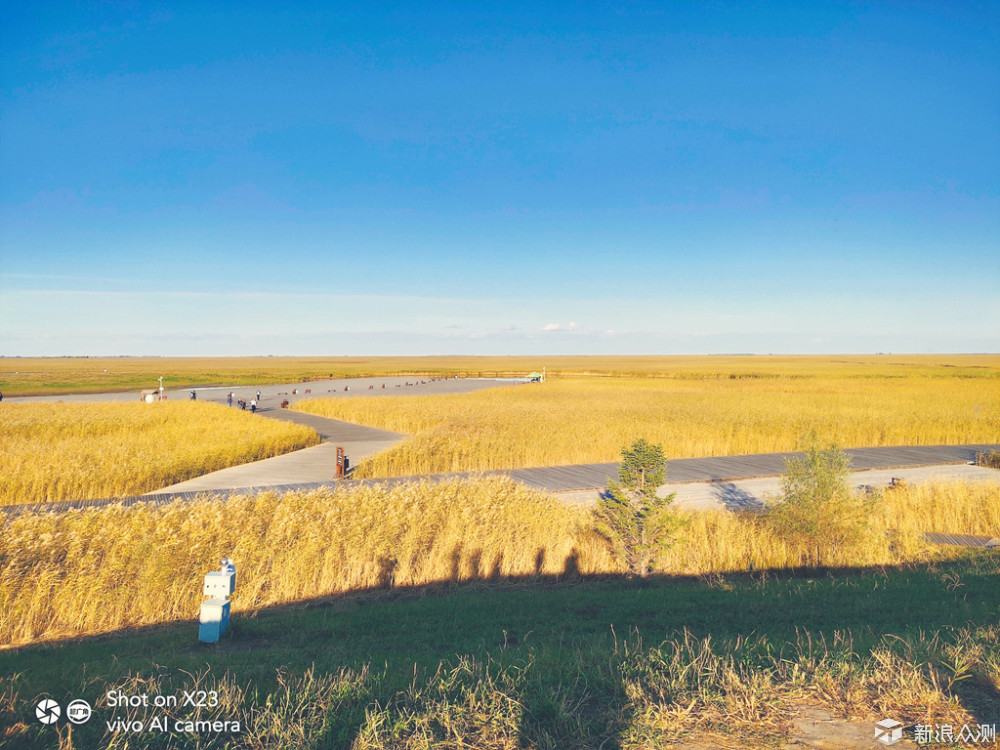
(560, 327)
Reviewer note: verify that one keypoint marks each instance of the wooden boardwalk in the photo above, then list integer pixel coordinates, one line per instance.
(331, 430)
(962, 540)
(731, 468)
(582, 476)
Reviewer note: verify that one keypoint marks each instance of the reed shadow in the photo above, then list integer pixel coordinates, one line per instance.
(571, 697)
(735, 498)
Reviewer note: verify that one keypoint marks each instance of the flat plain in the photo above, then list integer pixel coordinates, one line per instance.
(483, 614)
(704, 406)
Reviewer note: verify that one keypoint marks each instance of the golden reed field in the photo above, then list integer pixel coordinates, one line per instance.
(706, 407)
(76, 451)
(61, 573)
(54, 375)
(30, 376)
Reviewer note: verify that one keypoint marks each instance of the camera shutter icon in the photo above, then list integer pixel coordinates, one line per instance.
(47, 711)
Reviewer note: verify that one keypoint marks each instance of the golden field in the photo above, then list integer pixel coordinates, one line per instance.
(60, 574)
(569, 420)
(55, 375)
(60, 375)
(70, 451)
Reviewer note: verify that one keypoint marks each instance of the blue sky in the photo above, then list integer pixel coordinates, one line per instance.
(473, 178)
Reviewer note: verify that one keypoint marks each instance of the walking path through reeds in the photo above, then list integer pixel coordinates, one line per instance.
(723, 481)
(733, 482)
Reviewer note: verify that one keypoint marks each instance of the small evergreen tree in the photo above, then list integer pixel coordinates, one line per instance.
(818, 512)
(638, 524)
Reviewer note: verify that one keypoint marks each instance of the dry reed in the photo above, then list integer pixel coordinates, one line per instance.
(27, 375)
(577, 420)
(60, 574)
(80, 451)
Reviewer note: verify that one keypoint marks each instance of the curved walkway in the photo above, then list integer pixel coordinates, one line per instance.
(700, 482)
(733, 482)
(313, 465)
(753, 475)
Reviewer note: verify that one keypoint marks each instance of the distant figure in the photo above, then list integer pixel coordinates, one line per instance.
(1, 397)
(230, 399)
(194, 395)
(253, 406)
(258, 394)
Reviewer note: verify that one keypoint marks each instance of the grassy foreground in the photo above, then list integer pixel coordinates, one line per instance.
(61, 574)
(482, 614)
(79, 451)
(543, 662)
(582, 420)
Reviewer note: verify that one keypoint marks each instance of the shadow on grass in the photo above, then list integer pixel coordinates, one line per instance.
(540, 652)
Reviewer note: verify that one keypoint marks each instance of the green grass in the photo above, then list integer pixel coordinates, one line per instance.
(541, 662)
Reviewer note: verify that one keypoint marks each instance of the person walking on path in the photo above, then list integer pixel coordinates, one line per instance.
(230, 399)
(253, 406)
(258, 394)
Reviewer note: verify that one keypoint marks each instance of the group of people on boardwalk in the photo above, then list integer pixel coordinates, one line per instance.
(242, 402)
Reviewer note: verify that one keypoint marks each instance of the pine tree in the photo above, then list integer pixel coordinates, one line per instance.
(637, 522)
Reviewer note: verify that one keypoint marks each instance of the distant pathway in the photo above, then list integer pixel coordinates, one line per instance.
(310, 465)
(273, 395)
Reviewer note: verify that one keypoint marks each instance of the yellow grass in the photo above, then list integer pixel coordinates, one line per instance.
(721, 541)
(60, 574)
(581, 420)
(27, 376)
(78, 451)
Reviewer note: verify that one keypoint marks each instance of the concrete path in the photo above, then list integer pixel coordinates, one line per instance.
(747, 494)
(273, 395)
(732, 482)
(729, 468)
(728, 481)
(311, 465)
(266, 475)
